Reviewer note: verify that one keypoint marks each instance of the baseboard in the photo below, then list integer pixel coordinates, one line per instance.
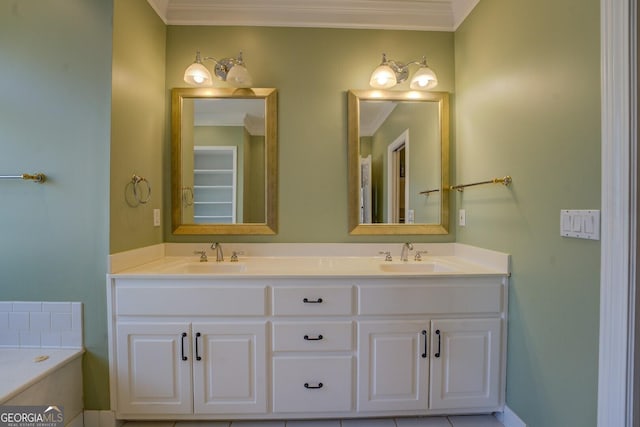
(509, 418)
(100, 419)
(76, 422)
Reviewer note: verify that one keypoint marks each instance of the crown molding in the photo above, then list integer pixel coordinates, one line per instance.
(423, 15)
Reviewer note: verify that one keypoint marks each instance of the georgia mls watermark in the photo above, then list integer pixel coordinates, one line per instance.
(31, 416)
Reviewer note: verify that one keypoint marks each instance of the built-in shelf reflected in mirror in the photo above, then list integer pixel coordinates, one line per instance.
(398, 162)
(224, 161)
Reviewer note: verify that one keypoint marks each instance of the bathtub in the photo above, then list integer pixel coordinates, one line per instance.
(43, 376)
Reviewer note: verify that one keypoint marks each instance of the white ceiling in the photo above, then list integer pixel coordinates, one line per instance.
(230, 112)
(424, 15)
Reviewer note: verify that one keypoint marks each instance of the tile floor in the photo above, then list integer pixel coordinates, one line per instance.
(453, 421)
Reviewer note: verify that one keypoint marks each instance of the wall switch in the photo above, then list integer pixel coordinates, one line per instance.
(156, 217)
(581, 224)
(462, 218)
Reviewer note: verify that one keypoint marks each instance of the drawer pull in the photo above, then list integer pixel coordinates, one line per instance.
(318, 338)
(306, 385)
(183, 336)
(198, 335)
(438, 334)
(310, 301)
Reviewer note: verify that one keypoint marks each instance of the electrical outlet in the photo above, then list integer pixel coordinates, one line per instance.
(462, 218)
(156, 217)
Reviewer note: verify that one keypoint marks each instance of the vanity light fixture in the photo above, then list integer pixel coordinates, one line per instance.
(389, 73)
(230, 70)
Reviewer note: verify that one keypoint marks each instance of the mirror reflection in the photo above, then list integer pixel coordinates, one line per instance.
(223, 161)
(223, 174)
(398, 162)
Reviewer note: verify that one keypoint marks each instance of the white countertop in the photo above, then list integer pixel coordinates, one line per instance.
(167, 262)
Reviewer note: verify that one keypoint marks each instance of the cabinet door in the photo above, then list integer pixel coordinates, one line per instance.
(392, 365)
(154, 368)
(229, 368)
(465, 363)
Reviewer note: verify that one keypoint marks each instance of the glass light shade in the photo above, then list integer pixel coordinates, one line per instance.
(383, 77)
(424, 79)
(197, 74)
(238, 76)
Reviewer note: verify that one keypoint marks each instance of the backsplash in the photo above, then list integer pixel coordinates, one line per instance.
(36, 324)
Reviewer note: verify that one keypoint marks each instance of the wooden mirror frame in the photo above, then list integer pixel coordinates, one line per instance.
(353, 107)
(271, 170)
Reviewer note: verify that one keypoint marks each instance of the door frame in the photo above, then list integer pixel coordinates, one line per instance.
(618, 314)
(401, 140)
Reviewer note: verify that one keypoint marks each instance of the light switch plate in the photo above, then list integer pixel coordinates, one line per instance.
(581, 224)
(156, 217)
(462, 218)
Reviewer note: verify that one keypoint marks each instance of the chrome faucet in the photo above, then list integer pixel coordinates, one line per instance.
(404, 255)
(219, 253)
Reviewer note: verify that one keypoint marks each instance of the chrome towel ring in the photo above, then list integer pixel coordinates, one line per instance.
(141, 190)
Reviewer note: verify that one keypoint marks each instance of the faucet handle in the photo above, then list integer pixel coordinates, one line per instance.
(234, 256)
(387, 255)
(418, 256)
(203, 255)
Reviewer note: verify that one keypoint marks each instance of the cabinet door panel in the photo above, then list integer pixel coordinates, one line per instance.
(466, 373)
(392, 372)
(152, 377)
(231, 375)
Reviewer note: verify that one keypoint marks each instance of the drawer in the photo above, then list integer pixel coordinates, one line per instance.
(237, 300)
(313, 384)
(479, 296)
(312, 300)
(312, 336)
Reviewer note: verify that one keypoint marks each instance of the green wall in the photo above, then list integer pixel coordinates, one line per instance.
(137, 123)
(421, 120)
(312, 70)
(55, 82)
(528, 105)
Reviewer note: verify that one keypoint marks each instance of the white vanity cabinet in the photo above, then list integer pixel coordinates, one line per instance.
(189, 348)
(431, 345)
(306, 347)
(313, 347)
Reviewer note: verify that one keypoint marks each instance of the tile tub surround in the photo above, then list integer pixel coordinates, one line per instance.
(36, 324)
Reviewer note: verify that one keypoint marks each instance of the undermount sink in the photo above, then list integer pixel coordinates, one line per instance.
(210, 268)
(414, 267)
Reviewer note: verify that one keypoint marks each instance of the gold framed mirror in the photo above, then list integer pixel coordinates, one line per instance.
(398, 157)
(224, 161)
